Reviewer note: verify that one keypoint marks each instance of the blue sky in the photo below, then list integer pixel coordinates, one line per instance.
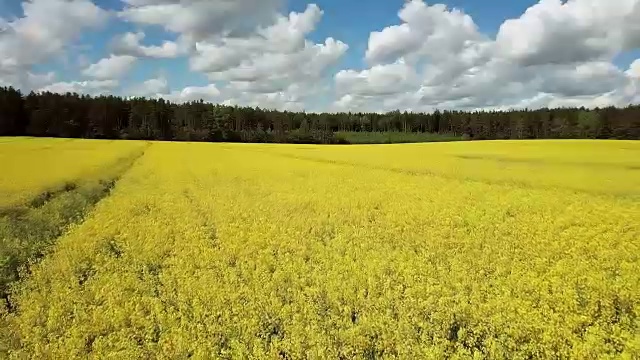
(348, 21)
(352, 77)
(344, 20)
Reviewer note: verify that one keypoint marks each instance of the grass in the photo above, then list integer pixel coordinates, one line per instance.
(394, 137)
(497, 249)
(36, 166)
(27, 232)
(28, 229)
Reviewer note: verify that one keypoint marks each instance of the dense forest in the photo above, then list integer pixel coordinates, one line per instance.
(111, 117)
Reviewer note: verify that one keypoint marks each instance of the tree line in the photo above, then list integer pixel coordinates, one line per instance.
(111, 117)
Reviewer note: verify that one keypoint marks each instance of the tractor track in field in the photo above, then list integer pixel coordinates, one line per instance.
(29, 230)
(121, 166)
(426, 172)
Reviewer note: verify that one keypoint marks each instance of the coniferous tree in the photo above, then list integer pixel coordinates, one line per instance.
(73, 115)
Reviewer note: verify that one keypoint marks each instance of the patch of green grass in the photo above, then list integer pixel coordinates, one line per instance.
(27, 233)
(394, 137)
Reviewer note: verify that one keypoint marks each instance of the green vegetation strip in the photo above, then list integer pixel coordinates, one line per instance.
(27, 231)
(394, 137)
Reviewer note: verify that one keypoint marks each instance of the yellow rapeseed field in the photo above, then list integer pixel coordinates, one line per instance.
(31, 166)
(471, 250)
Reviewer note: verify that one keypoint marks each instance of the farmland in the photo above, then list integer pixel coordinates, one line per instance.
(496, 249)
(394, 137)
(31, 166)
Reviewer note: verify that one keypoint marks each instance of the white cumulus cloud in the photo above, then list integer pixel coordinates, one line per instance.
(558, 53)
(276, 65)
(555, 31)
(44, 31)
(113, 67)
(208, 93)
(130, 44)
(425, 31)
(378, 80)
(199, 19)
(634, 69)
(150, 88)
(93, 87)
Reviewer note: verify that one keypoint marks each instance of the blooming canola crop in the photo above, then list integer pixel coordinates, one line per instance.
(462, 250)
(31, 166)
